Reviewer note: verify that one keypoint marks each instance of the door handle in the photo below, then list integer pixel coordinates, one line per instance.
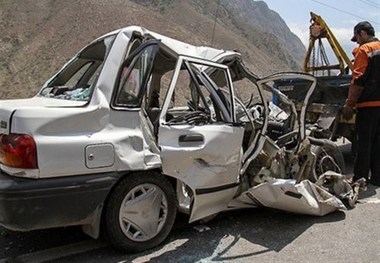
(191, 138)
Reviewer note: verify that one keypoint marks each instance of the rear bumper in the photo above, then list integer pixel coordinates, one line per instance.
(28, 204)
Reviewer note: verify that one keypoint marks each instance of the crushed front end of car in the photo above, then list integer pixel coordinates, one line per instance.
(292, 171)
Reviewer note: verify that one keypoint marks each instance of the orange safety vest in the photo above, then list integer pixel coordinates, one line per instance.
(366, 73)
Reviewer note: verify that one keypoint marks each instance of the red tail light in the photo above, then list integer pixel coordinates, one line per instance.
(18, 150)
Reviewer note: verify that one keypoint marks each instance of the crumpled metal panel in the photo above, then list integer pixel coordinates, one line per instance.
(206, 164)
(338, 185)
(303, 198)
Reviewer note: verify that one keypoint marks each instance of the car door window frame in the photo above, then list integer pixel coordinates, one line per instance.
(129, 64)
(186, 60)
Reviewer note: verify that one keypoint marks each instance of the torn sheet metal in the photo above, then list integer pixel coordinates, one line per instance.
(304, 197)
(338, 185)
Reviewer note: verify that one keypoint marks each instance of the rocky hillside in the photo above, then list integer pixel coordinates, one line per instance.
(38, 36)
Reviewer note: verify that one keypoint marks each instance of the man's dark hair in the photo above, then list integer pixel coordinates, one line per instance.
(365, 26)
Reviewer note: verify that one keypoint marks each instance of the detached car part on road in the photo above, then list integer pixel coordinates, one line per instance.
(138, 126)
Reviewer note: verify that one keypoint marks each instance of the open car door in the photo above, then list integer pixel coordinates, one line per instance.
(199, 139)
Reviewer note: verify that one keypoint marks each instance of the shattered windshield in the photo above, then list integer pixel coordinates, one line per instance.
(77, 79)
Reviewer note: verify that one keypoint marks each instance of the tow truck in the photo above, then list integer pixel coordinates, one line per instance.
(323, 115)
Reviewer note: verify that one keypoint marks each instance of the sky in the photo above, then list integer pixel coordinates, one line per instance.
(340, 15)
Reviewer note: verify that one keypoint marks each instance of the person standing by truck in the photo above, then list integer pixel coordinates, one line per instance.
(364, 95)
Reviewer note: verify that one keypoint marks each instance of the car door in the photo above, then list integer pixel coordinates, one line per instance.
(199, 139)
(273, 82)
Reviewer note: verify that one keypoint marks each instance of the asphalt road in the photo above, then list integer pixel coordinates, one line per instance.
(252, 235)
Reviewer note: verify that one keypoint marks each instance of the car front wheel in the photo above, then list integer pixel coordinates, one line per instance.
(328, 158)
(140, 212)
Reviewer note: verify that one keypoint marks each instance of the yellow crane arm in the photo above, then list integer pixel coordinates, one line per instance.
(318, 30)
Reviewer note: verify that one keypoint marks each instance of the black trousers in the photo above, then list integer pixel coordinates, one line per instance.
(368, 144)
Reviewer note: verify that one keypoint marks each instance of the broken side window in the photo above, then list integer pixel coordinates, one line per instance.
(77, 79)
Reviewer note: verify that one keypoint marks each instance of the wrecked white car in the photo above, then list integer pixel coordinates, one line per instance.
(138, 126)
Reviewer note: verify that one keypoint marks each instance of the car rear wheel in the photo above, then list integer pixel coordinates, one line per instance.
(140, 212)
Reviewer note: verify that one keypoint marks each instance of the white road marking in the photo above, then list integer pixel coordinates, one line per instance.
(371, 201)
(172, 246)
(57, 252)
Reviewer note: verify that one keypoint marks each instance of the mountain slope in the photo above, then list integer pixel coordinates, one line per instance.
(39, 36)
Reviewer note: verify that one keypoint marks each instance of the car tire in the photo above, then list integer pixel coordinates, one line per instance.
(140, 212)
(328, 157)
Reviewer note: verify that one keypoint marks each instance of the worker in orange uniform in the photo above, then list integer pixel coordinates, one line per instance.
(364, 96)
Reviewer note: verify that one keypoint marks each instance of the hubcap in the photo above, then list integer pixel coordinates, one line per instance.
(143, 212)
